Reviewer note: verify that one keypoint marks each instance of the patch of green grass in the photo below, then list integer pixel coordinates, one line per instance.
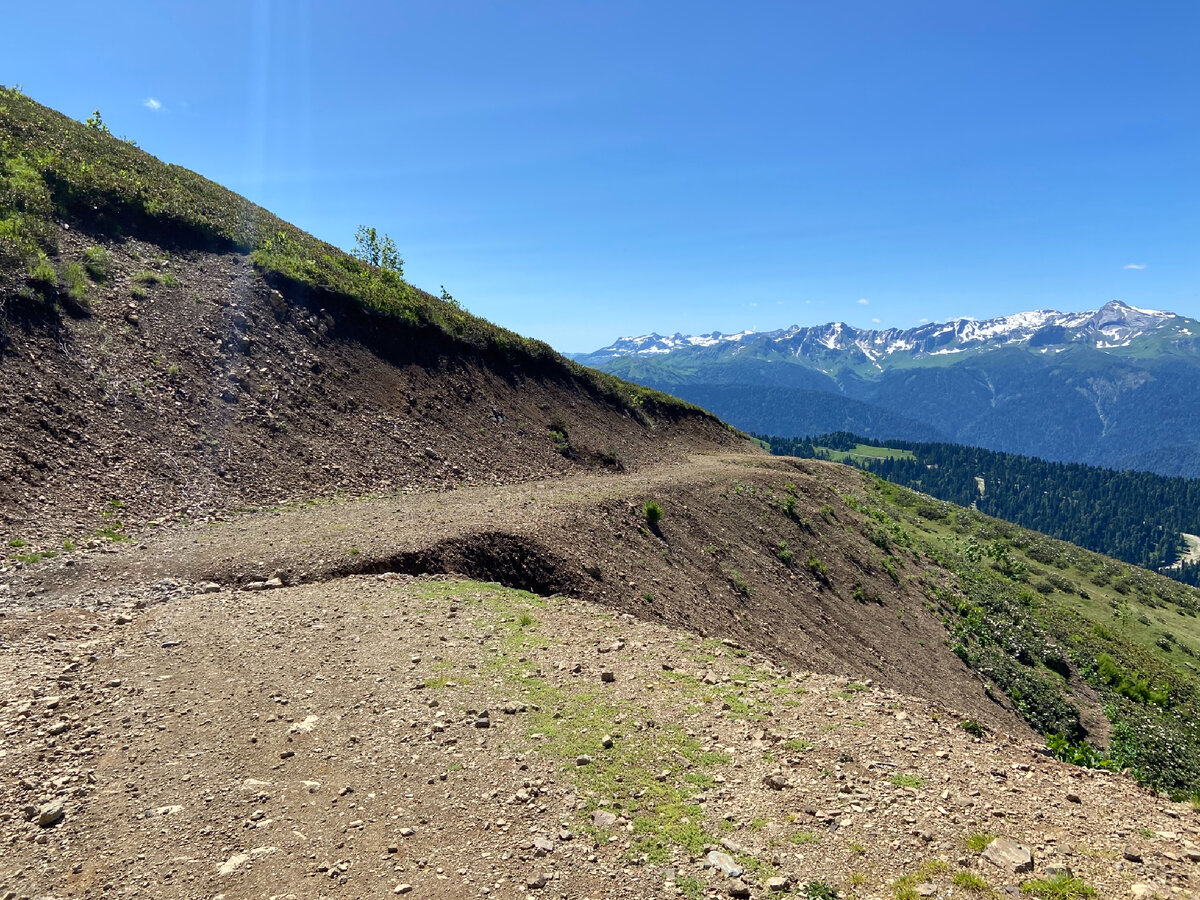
(820, 890)
(978, 841)
(75, 283)
(797, 745)
(969, 881)
(690, 887)
(98, 262)
(147, 277)
(907, 781)
(804, 837)
(1060, 887)
(652, 512)
(973, 728)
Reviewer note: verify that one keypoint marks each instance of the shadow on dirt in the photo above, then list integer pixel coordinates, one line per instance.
(505, 559)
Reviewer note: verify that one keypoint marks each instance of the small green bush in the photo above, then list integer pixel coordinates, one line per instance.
(43, 275)
(818, 569)
(820, 890)
(75, 283)
(98, 263)
(653, 512)
(785, 554)
(971, 727)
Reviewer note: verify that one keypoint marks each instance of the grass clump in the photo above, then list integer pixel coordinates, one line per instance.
(820, 890)
(652, 512)
(98, 262)
(971, 727)
(1060, 887)
(908, 781)
(978, 841)
(971, 882)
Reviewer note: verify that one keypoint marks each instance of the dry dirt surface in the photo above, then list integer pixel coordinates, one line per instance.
(305, 701)
(374, 736)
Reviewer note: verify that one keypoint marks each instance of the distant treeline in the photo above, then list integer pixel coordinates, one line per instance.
(1137, 517)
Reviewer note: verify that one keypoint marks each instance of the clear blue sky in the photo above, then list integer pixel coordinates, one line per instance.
(578, 171)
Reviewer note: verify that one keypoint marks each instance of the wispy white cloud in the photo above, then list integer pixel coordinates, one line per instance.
(752, 305)
(876, 321)
(922, 320)
(153, 104)
(1138, 266)
(863, 301)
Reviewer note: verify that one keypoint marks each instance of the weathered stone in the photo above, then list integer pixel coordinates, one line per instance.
(231, 864)
(738, 888)
(1058, 870)
(777, 883)
(607, 676)
(542, 846)
(1074, 798)
(583, 760)
(602, 818)
(537, 881)
(726, 863)
(775, 781)
(1132, 855)
(50, 813)
(1008, 855)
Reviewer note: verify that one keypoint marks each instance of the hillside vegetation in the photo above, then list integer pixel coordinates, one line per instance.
(1138, 517)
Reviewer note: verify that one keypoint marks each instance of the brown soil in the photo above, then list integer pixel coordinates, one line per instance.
(218, 392)
(323, 741)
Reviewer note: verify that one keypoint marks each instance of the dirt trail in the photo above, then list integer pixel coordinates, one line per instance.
(380, 735)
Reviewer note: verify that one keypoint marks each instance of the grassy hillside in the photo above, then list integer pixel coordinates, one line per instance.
(1043, 621)
(53, 169)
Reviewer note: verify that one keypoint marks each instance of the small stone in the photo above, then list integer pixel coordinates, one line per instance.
(1074, 798)
(606, 742)
(926, 889)
(1058, 870)
(406, 832)
(50, 814)
(1132, 855)
(602, 818)
(775, 781)
(607, 676)
(738, 888)
(726, 863)
(122, 619)
(776, 884)
(483, 721)
(537, 881)
(58, 728)
(163, 811)
(402, 889)
(228, 867)
(542, 846)
(583, 760)
(1008, 855)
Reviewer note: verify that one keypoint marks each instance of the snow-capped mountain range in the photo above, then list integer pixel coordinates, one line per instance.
(1116, 324)
(1116, 386)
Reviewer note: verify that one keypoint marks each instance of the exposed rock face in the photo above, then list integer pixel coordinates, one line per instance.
(1008, 855)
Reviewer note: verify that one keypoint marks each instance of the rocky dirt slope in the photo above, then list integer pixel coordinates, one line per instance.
(380, 735)
(192, 388)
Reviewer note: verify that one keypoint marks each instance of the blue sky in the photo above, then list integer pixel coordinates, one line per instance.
(578, 171)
